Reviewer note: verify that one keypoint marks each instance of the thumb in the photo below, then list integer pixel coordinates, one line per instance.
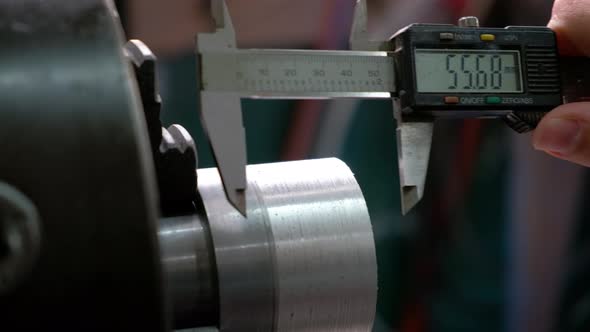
(570, 20)
(565, 133)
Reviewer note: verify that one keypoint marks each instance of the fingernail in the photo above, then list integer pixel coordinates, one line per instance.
(557, 135)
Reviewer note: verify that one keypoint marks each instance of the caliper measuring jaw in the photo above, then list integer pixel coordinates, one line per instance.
(221, 113)
(414, 139)
(228, 74)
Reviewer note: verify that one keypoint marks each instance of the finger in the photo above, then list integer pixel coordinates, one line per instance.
(565, 133)
(570, 20)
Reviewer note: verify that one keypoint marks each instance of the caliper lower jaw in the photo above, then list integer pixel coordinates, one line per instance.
(414, 139)
(221, 114)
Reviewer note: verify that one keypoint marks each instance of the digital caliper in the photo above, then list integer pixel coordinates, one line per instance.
(430, 71)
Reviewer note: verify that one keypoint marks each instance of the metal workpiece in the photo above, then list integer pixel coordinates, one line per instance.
(303, 260)
(323, 245)
(188, 261)
(74, 142)
(244, 257)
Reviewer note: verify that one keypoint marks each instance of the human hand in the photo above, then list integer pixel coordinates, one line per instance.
(565, 132)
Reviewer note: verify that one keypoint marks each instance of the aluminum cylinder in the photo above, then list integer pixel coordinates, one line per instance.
(303, 259)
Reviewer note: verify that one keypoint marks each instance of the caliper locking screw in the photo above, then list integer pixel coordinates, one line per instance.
(469, 22)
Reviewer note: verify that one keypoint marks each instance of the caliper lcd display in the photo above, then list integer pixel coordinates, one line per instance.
(467, 71)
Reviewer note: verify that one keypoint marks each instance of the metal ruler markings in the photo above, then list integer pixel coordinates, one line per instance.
(299, 73)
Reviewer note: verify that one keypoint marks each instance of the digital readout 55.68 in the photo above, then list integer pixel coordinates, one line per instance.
(467, 71)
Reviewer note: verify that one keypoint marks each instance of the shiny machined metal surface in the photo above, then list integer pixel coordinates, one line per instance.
(188, 263)
(303, 260)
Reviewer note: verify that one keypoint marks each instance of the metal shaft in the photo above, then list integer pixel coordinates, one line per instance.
(189, 265)
(303, 260)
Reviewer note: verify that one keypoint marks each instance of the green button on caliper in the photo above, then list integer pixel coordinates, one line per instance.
(493, 100)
